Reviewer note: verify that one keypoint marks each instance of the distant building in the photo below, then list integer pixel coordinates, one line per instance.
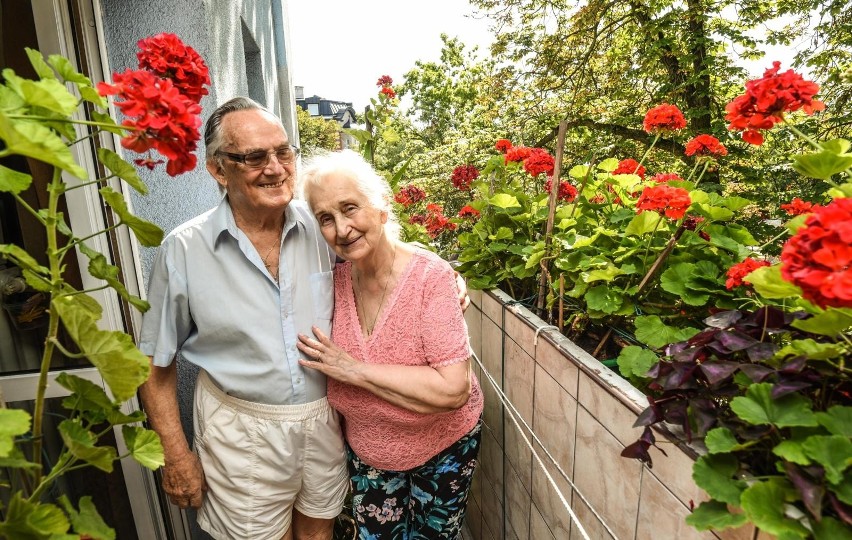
(341, 112)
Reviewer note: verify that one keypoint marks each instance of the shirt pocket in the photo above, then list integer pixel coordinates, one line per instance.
(322, 293)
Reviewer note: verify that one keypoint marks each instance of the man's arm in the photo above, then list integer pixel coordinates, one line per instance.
(183, 477)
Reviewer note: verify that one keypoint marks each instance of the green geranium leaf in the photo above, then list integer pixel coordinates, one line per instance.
(833, 452)
(21, 258)
(721, 441)
(608, 165)
(504, 200)
(36, 141)
(91, 95)
(49, 94)
(101, 269)
(39, 65)
(116, 418)
(635, 361)
(822, 165)
(66, 70)
(28, 520)
(715, 475)
(578, 171)
(81, 443)
(795, 223)
(759, 407)
(812, 349)
(714, 213)
(85, 393)
(534, 259)
(643, 223)
(123, 367)
(734, 203)
(714, 515)
(503, 233)
(763, 503)
(829, 528)
(768, 283)
(843, 190)
(13, 423)
(792, 451)
(601, 274)
(843, 490)
(828, 323)
(677, 280)
(838, 146)
(653, 332)
(146, 232)
(144, 445)
(122, 169)
(13, 181)
(837, 420)
(87, 521)
(108, 123)
(603, 298)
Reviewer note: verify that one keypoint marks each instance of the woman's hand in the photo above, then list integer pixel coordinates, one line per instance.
(326, 357)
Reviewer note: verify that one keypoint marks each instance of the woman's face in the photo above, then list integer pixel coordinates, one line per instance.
(349, 223)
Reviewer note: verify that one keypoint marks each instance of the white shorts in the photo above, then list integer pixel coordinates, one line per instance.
(261, 461)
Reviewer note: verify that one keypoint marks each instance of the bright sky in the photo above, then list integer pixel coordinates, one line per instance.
(340, 48)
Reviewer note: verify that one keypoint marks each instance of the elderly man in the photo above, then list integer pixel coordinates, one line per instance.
(231, 290)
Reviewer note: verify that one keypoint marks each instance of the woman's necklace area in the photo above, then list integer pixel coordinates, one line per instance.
(370, 325)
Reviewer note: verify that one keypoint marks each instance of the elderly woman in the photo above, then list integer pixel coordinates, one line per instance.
(397, 362)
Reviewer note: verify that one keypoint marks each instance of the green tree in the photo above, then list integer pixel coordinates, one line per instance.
(317, 132)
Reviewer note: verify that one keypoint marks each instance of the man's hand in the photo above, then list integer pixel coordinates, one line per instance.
(183, 481)
(461, 285)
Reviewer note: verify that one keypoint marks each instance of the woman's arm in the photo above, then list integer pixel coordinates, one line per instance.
(422, 389)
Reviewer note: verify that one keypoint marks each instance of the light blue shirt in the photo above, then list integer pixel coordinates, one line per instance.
(213, 300)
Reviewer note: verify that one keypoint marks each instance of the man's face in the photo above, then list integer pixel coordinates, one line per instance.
(253, 190)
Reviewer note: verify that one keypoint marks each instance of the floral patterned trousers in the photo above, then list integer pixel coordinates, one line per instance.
(424, 503)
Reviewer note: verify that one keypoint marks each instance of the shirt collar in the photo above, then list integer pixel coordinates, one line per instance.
(222, 220)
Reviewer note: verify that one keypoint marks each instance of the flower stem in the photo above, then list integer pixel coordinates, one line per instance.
(72, 121)
(692, 172)
(773, 239)
(89, 183)
(703, 170)
(648, 151)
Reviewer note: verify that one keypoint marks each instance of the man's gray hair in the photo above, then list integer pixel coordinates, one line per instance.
(351, 165)
(213, 137)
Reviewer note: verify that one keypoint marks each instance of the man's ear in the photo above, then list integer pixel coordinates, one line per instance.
(217, 171)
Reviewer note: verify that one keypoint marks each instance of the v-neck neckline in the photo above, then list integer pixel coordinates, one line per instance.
(365, 339)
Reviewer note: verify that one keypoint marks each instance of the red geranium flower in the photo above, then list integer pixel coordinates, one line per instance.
(463, 175)
(664, 117)
(797, 207)
(597, 199)
(663, 178)
(705, 145)
(737, 272)
(409, 195)
(672, 201)
(468, 211)
(630, 166)
(517, 153)
(567, 192)
(384, 80)
(767, 99)
(503, 145)
(436, 222)
(388, 91)
(169, 58)
(148, 162)
(818, 258)
(160, 116)
(539, 161)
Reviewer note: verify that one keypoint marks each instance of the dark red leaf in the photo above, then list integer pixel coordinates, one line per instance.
(717, 371)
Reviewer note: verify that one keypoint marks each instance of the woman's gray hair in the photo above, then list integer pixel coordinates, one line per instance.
(351, 165)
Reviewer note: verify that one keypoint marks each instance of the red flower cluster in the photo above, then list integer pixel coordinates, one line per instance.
(385, 83)
(690, 223)
(160, 116)
(705, 145)
(737, 272)
(169, 58)
(818, 258)
(384, 80)
(664, 117)
(767, 99)
(567, 192)
(630, 166)
(503, 145)
(409, 195)
(670, 200)
(797, 207)
(663, 178)
(468, 211)
(463, 175)
(388, 91)
(539, 161)
(435, 221)
(517, 153)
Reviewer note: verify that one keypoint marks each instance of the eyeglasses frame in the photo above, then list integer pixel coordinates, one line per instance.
(241, 158)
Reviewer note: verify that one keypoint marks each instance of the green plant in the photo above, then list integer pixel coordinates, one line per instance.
(42, 120)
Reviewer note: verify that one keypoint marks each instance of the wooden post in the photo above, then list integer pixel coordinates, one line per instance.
(551, 211)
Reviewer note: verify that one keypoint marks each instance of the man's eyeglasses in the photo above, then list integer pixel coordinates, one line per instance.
(285, 155)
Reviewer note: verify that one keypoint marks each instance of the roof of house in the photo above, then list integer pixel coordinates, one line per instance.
(341, 111)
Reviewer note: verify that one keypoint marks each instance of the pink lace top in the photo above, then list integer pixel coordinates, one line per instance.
(421, 324)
